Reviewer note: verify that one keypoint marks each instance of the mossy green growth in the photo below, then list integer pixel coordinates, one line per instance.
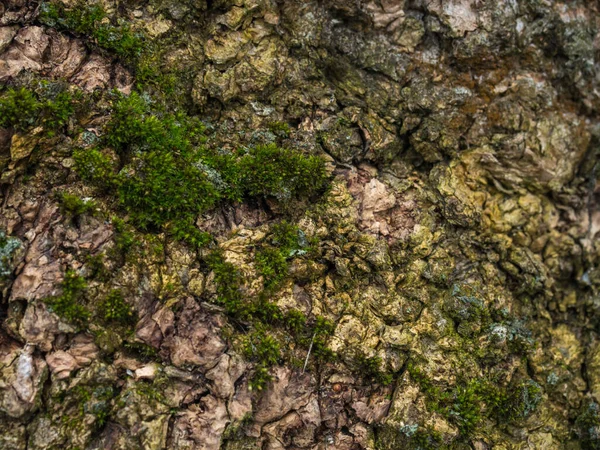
(114, 308)
(22, 108)
(281, 129)
(472, 400)
(370, 368)
(96, 268)
(271, 171)
(141, 350)
(587, 426)
(228, 280)
(408, 437)
(90, 20)
(124, 236)
(74, 206)
(96, 167)
(272, 265)
(19, 109)
(265, 350)
(168, 177)
(285, 241)
(68, 304)
(295, 321)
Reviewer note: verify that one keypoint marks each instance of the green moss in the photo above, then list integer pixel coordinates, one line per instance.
(271, 171)
(96, 267)
(473, 400)
(68, 304)
(124, 236)
(295, 321)
(96, 167)
(19, 108)
(322, 330)
(74, 206)
(281, 129)
(285, 241)
(90, 20)
(169, 178)
(152, 391)
(260, 314)
(22, 108)
(587, 426)
(263, 349)
(272, 265)
(409, 437)
(370, 368)
(59, 109)
(142, 351)
(114, 308)
(228, 280)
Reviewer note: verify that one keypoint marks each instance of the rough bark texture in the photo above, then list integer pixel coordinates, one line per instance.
(443, 288)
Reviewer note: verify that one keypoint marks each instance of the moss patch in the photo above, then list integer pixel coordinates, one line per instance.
(168, 177)
(68, 305)
(91, 21)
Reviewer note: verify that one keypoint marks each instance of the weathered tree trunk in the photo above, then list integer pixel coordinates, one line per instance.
(299, 224)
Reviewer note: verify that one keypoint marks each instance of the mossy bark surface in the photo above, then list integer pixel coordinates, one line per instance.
(349, 224)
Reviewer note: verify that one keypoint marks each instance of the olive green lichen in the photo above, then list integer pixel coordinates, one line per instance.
(8, 246)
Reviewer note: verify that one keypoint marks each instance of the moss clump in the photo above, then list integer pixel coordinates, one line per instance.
(286, 241)
(272, 265)
(271, 171)
(472, 400)
(370, 368)
(162, 188)
(295, 321)
(74, 206)
(68, 304)
(142, 351)
(281, 129)
(19, 109)
(96, 268)
(587, 426)
(90, 20)
(124, 236)
(96, 167)
(169, 178)
(22, 108)
(263, 349)
(114, 308)
(228, 280)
